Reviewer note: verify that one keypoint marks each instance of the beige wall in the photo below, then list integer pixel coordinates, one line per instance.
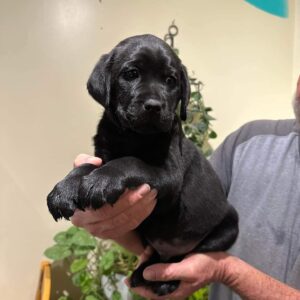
(47, 49)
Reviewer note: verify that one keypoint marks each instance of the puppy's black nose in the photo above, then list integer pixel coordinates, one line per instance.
(153, 105)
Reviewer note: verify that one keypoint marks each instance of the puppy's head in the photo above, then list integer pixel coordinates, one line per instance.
(140, 83)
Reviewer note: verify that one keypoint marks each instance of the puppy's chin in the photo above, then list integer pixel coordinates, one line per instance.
(146, 123)
(296, 106)
(151, 126)
(148, 129)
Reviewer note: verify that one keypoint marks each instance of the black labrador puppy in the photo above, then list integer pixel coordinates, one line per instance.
(140, 83)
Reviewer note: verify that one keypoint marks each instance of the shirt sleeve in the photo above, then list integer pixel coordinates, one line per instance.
(222, 158)
(221, 161)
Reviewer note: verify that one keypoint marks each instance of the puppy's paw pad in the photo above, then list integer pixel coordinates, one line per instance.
(164, 288)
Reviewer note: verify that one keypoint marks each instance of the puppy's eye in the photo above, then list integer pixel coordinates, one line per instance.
(131, 74)
(171, 81)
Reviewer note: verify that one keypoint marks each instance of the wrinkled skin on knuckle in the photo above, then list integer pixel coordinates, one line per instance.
(120, 220)
(167, 274)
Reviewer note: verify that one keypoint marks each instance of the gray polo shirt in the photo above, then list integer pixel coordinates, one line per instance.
(259, 167)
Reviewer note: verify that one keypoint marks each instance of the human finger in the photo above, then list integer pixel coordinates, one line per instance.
(167, 272)
(124, 222)
(184, 290)
(195, 268)
(87, 159)
(127, 200)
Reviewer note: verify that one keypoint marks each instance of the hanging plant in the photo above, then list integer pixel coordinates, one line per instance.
(197, 127)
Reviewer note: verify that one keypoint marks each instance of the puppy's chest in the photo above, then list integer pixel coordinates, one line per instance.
(153, 154)
(173, 247)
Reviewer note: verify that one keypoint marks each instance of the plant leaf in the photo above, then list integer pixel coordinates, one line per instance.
(72, 230)
(202, 127)
(63, 298)
(91, 297)
(62, 238)
(196, 96)
(176, 51)
(78, 265)
(83, 280)
(57, 252)
(83, 238)
(210, 118)
(107, 261)
(87, 285)
(116, 295)
(77, 278)
(136, 296)
(213, 134)
(82, 251)
(201, 294)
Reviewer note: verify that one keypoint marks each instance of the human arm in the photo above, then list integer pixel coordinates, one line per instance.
(117, 222)
(198, 270)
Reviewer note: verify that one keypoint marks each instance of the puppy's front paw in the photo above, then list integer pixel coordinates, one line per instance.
(99, 188)
(61, 200)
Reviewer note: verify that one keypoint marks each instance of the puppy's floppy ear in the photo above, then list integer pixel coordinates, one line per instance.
(185, 92)
(98, 84)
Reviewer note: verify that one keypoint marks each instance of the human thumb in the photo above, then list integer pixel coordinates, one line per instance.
(161, 272)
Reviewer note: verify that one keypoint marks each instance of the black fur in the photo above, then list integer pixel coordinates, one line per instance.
(140, 83)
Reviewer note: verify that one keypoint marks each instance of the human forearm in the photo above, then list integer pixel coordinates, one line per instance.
(252, 284)
(198, 270)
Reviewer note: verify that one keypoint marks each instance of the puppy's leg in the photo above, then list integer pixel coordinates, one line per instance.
(223, 236)
(160, 288)
(63, 199)
(106, 184)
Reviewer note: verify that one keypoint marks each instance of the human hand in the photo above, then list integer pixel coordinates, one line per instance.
(114, 222)
(194, 272)
(296, 100)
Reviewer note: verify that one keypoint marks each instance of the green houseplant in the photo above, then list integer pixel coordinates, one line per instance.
(94, 266)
